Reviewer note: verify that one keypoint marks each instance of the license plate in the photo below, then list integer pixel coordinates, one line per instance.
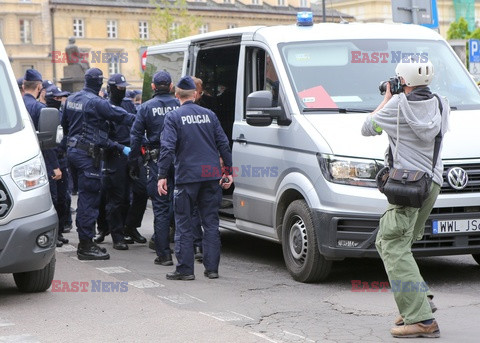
(441, 227)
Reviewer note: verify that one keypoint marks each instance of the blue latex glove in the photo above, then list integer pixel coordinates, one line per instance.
(126, 150)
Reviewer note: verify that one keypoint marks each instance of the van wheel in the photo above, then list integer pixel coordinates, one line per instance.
(299, 245)
(36, 280)
(476, 257)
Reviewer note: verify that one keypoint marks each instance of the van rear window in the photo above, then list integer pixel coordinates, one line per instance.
(10, 120)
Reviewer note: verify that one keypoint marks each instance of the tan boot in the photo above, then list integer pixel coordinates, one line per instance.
(416, 330)
(399, 319)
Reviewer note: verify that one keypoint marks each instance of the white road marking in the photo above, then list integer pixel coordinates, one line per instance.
(4, 322)
(66, 248)
(114, 270)
(191, 296)
(228, 316)
(146, 283)
(295, 335)
(19, 339)
(177, 299)
(264, 337)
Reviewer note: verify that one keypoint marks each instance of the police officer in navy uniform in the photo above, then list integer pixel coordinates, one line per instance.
(85, 123)
(116, 174)
(193, 138)
(149, 122)
(32, 86)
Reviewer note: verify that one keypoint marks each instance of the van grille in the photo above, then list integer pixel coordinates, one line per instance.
(473, 185)
(5, 201)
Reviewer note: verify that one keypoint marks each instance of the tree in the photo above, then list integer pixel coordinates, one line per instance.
(171, 20)
(458, 30)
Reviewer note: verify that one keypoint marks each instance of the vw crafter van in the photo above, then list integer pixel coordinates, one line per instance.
(292, 100)
(28, 221)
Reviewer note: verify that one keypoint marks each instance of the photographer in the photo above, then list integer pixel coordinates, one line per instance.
(412, 118)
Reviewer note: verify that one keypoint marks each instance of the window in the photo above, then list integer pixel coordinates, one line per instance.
(227, 1)
(143, 29)
(304, 3)
(255, 2)
(114, 66)
(26, 31)
(173, 31)
(112, 29)
(78, 28)
(281, 2)
(203, 28)
(232, 26)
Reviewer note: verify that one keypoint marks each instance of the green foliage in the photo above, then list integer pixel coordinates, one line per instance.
(475, 34)
(458, 29)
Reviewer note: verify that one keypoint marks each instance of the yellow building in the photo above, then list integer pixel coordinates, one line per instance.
(25, 30)
(116, 28)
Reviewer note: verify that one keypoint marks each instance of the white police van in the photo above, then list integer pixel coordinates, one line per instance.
(28, 221)
(292, 100)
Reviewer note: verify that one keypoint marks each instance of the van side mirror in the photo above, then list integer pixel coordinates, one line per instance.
(47, 127)
(260, 111)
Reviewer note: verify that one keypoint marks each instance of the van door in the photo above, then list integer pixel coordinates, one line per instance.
(258, 156)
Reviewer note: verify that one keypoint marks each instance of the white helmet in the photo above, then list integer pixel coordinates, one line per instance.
(415, 72)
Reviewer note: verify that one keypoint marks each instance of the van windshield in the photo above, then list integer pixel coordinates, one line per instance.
(10, 120)
(346, 74)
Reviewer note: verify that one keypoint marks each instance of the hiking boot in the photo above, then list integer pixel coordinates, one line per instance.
(90, 251)
(178, 276)
(399, 320)
(416, 330)
(164, 260)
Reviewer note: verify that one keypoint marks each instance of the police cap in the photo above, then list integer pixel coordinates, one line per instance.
(46, 84)
(54, 91)
(118, 80)
(162, 77)
(20, 82)
(94, 74)
(32, 75)
(186, 83)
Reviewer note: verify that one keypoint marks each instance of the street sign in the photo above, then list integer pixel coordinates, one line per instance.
(143, 58)
(474, 50)
(413, 11)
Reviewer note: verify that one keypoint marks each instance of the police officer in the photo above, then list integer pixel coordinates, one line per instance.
(116, 173)
(149, 122)
(193, 137)
(127, 102)
(32, 86)
(85, 124)
(55, 98)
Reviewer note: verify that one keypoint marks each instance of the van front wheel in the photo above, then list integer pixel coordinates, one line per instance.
(36, 280)
(299, 245)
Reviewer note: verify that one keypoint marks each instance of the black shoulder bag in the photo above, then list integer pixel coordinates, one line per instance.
(408, 187)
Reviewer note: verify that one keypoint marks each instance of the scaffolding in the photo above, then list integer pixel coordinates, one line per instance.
(465, 9)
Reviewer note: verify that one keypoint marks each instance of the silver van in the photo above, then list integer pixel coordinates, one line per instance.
(28, 221)
(292, 100)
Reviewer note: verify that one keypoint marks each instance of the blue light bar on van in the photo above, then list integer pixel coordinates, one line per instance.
(304, 19)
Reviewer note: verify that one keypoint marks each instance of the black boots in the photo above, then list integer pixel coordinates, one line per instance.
(132, 235)
(198, 254)
(100, 237)
(88, 250)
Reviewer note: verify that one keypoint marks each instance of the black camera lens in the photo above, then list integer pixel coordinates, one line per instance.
(383, 87)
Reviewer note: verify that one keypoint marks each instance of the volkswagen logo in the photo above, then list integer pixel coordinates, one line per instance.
(457, 178)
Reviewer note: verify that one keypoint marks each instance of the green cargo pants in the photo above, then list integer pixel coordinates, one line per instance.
(399, 227)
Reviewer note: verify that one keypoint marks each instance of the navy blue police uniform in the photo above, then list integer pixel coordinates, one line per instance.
(59, 189)
(116, 177)
(149, 122)
(193, 138)
(85, 123)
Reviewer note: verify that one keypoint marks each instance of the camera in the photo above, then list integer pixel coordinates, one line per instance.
(395, 86)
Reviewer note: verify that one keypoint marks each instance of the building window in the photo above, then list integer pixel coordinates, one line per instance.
(78, 28)
(255, 2)
(143, 29)
(281, 2)
(26, 31)
(227, 1)
(203, 28)
(232, 26)
(114, 66)
(112, 29)
(304, 3)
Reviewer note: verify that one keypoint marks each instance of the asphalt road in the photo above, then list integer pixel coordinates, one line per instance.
(128, 299)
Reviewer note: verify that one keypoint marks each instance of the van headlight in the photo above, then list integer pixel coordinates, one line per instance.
(349, 171)
(31, 174)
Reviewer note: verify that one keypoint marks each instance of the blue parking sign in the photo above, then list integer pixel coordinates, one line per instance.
(474, 48)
